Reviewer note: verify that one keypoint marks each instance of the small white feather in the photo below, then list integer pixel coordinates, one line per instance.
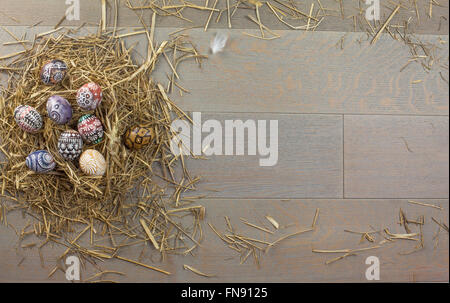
(219, 42)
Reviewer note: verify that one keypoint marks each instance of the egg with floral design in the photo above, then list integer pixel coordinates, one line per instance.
(28, 118)
(89, 96)
(53, 71)
(92, 163)
(40, 161)
(90, 129)
(59, 109)
(137, 137)
(70, 145)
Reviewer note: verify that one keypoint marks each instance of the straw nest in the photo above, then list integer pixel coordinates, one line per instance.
(67, 200)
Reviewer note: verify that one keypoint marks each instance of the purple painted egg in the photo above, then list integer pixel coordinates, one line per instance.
(53, 72)
(89, 96)
(28, 118)
(40, 161)
(70, 145)
(59, 109)
(90, 129)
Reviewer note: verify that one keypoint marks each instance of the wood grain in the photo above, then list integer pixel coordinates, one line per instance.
(309, 161)
(292, 260)
(13, 12)
(301, 73)
(389, 156)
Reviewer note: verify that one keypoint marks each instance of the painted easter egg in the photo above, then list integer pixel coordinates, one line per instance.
(138, 137)
(70, 145)
(92, 163)
(53, 72)
(89, 96)
(40, 161)
(59, 109)
(28, 118)
(90, 129)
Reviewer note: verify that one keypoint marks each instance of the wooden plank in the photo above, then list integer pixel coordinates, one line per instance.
(292, 260)
(309, 161)
(389, 156)
(308, 73)
(29, 12)
(301, 73)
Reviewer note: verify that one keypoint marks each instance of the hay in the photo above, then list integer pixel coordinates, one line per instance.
(127, 204)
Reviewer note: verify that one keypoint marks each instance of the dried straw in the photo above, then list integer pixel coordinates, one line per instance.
(127, 206)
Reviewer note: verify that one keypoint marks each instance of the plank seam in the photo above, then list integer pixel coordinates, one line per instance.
(419, 34)
(284, 199)
(343, 156)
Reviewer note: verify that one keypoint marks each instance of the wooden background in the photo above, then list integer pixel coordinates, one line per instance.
(357, 139)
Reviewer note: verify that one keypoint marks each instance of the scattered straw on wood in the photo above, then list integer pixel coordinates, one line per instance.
(247, 246)
(425, 204)
(410, 235)
(273, 222)
(196, 271)
(398, 20)
(441, 224)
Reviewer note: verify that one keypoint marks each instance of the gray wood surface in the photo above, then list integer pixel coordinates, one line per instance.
(391, 156)
(309, 161)
(357, 139)
(292, 260)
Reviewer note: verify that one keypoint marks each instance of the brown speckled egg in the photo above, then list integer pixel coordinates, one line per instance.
(138, 137)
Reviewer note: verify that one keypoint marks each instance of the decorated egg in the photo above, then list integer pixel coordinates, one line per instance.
(59, 109)
(28, 118)
(89, 96)
(40, 161)
(70, 145)
(90, 129)
(138, 137)
(92, 163)
(53, 72)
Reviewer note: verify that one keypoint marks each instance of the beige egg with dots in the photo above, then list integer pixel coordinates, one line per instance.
(92, 163)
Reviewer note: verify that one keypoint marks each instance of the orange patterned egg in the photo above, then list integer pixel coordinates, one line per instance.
(92, 163)
(138, 137)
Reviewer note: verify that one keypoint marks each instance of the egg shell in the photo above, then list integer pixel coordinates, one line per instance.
(53, 71)
(70, 145)
(137, 137)
(92, 163)
(89, 96)
(28, 118)
(90, 129)
(59, 109)
(40, 161)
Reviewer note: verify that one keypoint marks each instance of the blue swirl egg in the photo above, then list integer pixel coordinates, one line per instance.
(40, 161)
(59, 109)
